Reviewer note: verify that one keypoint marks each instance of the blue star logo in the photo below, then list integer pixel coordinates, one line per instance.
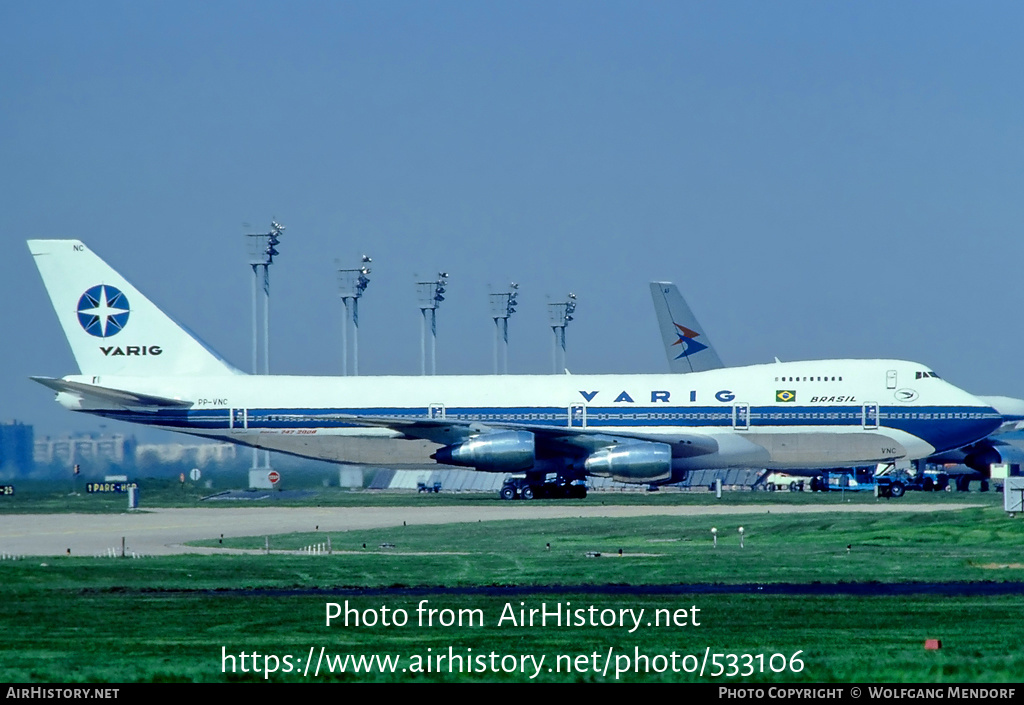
(103, 311)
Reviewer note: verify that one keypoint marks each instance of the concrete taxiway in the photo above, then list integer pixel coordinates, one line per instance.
(165, 531)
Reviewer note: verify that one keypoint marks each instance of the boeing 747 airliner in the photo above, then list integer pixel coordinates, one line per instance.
(138, 365)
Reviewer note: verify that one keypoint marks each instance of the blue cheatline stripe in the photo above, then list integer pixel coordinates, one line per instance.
(941, 426)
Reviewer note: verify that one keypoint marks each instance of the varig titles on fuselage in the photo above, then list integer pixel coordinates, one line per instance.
(723, 395)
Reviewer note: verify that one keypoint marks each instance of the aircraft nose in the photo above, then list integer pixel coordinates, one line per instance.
(997, 417)
(990, 420)
(972, 426)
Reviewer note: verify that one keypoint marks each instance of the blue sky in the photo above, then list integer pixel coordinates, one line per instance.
(821, 179)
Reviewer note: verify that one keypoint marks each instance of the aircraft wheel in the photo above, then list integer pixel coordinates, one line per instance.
(897, 489)
(526, 492)
(792, 486)
(507, 492)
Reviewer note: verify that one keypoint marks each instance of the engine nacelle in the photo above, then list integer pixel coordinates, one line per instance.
(500, 451)
(639, 462)
(982, 457)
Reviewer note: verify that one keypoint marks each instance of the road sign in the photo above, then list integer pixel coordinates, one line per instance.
(274, 476)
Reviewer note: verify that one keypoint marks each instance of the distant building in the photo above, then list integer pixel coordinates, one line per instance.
(86, 447)
(198, 453)
(16, 446)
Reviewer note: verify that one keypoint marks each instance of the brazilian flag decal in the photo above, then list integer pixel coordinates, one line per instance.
(785, 395)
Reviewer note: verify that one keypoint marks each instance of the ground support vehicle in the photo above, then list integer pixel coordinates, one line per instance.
(540, 488)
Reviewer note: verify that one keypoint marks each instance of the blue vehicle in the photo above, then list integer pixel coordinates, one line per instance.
(885, 480)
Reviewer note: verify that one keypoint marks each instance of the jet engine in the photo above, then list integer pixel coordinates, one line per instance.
(983, 455)
(500, 451)
(632, 462)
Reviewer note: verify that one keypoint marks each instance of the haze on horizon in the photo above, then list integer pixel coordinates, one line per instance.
(821, 179)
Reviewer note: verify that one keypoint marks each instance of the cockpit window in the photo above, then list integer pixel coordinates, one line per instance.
(924, 375)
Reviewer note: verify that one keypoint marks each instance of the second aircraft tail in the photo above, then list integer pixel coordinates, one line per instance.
(687, 346)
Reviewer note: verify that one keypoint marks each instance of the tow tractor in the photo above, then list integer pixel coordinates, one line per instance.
(864, 479)
(885, 479)
(539, 488)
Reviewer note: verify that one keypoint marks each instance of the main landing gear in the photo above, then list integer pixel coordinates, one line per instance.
(530, 488)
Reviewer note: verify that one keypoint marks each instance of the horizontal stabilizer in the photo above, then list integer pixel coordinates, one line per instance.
(119, 397)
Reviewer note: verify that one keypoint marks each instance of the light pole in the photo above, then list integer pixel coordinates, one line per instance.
(351, 285)
(430, 296)
(503, 305)
(262, 249)
(559, 316)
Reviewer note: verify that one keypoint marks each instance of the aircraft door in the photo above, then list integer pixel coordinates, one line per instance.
(435, 411)
(890, 379)
(741, 417)
(869, 415)
(577, 416)
(238, 421)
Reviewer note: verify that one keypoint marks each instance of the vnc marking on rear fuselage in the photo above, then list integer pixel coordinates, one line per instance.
(111, 351)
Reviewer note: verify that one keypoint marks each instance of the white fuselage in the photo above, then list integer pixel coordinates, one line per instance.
(827, 413)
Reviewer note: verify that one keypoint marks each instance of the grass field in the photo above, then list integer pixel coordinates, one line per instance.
(178, 618)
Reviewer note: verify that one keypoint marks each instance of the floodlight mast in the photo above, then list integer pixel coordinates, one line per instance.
(351, 285)
(559, 317)
(430, 294)
(262, 250)
(503, 305)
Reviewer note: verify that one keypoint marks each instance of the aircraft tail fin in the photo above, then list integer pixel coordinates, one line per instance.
(686, 345)
(112, 328)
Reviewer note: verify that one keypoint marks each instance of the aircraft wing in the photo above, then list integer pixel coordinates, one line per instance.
(108, 395)
(558, 440)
